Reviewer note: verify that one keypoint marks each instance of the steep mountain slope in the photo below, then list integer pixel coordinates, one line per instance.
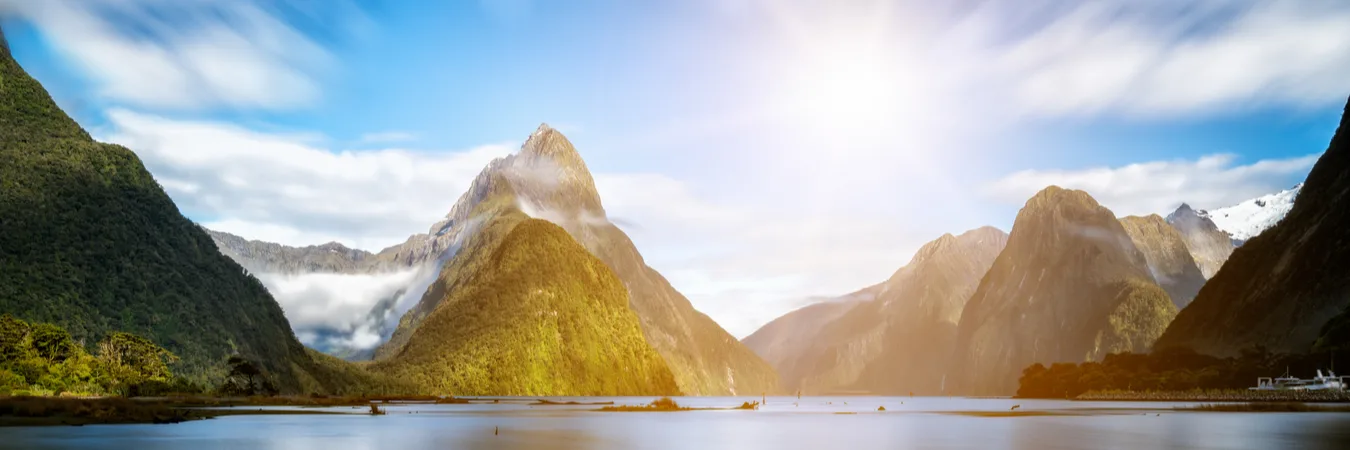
(547, 179)
(531, 313)
(1169, 260)
(1280, 288)
(1248, 219)
(1070, 286)
(1209, 246)
(91, 242)
(900, 339)
(781, 340)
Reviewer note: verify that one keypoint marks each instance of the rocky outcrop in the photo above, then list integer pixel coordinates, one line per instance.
(1209, 246)
(1169, 260)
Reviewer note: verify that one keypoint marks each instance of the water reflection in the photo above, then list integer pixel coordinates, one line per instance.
(811, 423)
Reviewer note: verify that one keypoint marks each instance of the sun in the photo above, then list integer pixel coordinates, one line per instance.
(844, 89)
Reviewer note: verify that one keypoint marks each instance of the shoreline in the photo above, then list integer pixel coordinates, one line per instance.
(1229, 396)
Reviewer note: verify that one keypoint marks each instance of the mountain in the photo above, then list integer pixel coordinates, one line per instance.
(92, 243)
(1281, 287)
(1168, 258)
(1209, 246)
(259, 256)
(530, 312)
(547, 179)
(1248, 219)
(341, 277)
(1070, 286)
(892, 338)
(782, 340)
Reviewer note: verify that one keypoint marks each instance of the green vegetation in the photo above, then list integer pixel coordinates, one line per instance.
(1168, 370)
(92, 244)
(43, 359)
(1142, 313)
(531, 312)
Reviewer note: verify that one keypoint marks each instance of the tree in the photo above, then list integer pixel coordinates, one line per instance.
(13, 336)
(52, 342)
(145, 360)
(245, 378)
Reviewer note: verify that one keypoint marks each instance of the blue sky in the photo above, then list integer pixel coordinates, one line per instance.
(760, 152)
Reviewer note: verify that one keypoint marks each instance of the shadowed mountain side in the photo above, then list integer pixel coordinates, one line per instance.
(1168, 258)
(897, 336)
(1280, 288)
(783, 338)
(532, 313)
(1070, 286)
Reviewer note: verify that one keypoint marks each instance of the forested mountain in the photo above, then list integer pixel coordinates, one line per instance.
(547, 179)
(524, 309)
(91, 242)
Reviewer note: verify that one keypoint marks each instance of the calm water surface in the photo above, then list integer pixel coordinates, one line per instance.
(810, 423)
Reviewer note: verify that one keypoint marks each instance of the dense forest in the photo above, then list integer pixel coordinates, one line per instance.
(524, 309)
(44, 359)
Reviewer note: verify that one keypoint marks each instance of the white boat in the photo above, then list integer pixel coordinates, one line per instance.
(1287, 383)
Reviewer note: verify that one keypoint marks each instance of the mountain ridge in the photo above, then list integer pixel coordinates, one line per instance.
(1069, 286)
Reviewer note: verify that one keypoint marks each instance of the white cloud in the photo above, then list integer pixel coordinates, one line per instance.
(285, 189)
(1160, 186)
(212, 52)
(1170, 58)
(387, 137)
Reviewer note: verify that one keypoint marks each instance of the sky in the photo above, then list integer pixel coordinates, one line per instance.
(762, 154)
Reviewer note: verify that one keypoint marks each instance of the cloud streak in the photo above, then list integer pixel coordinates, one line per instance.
(1160, 186)
(183, 55)
(1169, 58)
(288, 190)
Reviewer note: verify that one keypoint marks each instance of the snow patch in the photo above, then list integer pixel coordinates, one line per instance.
(1248, 219)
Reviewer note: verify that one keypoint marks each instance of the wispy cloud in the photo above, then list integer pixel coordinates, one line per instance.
(285, 189)
(1173, 58)
(1160, 186)
(183, 55)
(386, 137)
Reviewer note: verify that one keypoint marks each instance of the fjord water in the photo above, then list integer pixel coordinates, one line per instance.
(784, 423)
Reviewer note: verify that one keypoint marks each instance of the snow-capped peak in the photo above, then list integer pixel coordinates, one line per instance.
(1245, 220)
